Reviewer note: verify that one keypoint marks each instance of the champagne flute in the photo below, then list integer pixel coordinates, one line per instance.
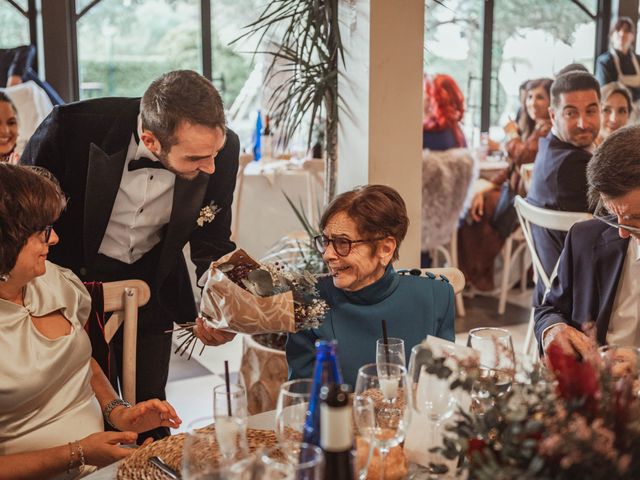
(497, 363)
(386, 385)
(230, 414)
(390, 352)
(291, 414)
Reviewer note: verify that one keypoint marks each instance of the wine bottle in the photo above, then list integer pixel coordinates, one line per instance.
(336, 432)
(326, 371)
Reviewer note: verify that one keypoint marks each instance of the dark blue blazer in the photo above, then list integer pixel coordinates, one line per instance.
(559, 183)
(587, 281)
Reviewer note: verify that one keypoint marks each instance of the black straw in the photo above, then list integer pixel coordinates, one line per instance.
(385, 339)
(226, 380)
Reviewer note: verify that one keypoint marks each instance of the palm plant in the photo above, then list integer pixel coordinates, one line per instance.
(306, 39)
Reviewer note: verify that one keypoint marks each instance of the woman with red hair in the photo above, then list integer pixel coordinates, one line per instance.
(443, 112)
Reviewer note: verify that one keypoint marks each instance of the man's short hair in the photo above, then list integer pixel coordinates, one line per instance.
(614, 169)
(573, 81)
(176, 97)
(572, 67)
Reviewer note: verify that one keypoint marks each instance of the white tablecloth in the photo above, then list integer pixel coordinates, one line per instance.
(265, 216)
(33, 106)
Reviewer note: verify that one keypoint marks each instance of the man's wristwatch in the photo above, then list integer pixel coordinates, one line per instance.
(116, 402)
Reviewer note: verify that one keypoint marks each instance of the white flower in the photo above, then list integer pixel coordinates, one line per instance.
(207, 214)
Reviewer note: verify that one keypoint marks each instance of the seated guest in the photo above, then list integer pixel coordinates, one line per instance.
(443, 112)
(482, 240)
(559, 175)
(616, 106)
(361, 235)
(54, 395)
(599, 269)
(8, 130)
(620, 63)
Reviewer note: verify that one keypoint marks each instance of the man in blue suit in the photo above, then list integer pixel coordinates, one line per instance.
(559, 173)
(599, 270)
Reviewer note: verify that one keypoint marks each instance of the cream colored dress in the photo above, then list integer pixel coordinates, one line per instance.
(46, 397)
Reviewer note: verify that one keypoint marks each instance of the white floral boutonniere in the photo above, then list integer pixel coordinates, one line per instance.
(207, 214)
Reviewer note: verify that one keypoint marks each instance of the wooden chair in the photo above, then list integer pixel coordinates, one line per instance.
(553, 220)
(123, 299)
(244, 160)
(453, 275)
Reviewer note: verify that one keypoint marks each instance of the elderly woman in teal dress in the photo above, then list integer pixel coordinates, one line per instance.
(53, 395)
(361, 235)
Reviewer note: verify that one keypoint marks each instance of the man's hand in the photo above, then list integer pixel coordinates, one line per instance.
(477, 207)
(209, 335)
(14, 80)
(570, 339)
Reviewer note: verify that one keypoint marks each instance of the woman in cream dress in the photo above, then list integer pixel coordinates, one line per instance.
(52, 393)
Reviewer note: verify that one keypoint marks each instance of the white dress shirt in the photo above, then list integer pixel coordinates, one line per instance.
(625, 314)
(142, 207)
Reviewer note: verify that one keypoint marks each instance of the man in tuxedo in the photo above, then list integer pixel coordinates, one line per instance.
(599, 270)
(559, 173)
(144, 177)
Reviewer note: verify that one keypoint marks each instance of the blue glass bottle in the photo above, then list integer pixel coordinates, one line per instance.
(326, 371)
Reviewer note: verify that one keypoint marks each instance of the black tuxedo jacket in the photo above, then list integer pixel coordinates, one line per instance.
(84, 144)
(588, 276)
(559, 183)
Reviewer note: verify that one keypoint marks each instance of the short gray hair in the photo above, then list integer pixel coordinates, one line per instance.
(614, 169)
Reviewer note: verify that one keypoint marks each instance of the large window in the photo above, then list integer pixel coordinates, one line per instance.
(14, 25)
(530, 40)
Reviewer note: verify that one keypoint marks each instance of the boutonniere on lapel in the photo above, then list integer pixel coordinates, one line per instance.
(207, 214)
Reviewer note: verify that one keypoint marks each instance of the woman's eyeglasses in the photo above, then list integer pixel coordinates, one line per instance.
(342, 246)
(46, 231)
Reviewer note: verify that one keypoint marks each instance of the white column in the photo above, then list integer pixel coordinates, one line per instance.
(380, 137)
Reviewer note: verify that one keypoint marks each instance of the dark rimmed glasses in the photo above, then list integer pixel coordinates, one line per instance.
(342, 246)
(47, 232)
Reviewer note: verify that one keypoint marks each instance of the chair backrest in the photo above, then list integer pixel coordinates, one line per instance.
(244, 160)
(123, 299)
(447, 178)
(551, 219)
(455, 276)
(526, 174)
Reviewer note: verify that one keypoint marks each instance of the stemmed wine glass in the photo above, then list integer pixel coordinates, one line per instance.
(230, 415)
(497, 363)
(291, 414)
(432, 396)
(364, 420)
(391, 351)
(386, 385)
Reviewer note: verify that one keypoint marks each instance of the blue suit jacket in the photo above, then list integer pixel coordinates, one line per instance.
(587, 281)
(559, 183)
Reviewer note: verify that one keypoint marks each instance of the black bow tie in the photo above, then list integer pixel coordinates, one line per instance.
(144, 162)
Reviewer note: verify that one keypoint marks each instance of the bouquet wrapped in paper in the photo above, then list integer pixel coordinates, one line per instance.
(241, 295)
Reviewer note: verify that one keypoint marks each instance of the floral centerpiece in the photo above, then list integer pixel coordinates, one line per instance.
(578, 418)
(241, 295)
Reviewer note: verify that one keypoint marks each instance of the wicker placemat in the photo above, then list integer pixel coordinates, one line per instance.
(137, 466)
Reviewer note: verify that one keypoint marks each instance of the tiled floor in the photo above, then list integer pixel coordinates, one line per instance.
(191, 381)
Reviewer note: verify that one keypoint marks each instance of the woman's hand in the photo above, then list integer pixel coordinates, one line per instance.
(145, 416)
(101, 449)
(209, 335)
(477, 207)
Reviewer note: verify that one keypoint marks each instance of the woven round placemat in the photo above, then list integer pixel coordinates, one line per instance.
(137, 466)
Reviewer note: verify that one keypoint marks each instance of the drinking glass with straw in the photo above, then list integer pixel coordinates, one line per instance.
(389, 349)
(230, 415)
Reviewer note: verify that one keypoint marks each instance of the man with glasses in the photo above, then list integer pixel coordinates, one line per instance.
(559, 173)
(599, 270)
(144, 177)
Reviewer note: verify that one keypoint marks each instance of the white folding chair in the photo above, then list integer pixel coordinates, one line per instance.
(244, 160)
(454, 275)
(123, 299)
(553, 220)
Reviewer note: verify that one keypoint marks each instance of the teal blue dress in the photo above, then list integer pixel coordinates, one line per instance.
(413, 307)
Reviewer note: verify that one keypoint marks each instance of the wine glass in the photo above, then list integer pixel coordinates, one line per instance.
(276, 464)
(291, 414)
(386, 385)
(364, 421)
(391, 351)
(497, 364)
(230, 414)
(197, 462)
(431, 396)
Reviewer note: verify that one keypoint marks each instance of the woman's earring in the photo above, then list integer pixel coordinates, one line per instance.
(4, 277)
